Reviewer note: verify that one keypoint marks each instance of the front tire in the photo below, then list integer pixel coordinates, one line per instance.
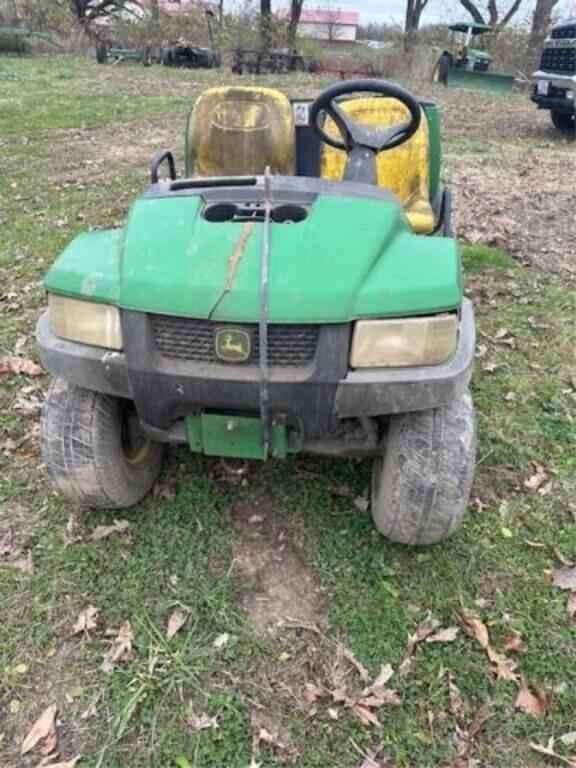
(564, 122)
(94, 449)
(421, 486)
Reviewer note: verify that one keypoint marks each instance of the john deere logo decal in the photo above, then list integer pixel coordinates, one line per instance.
(232, 345)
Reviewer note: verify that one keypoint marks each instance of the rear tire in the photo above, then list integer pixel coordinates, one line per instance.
(421, 486)
(564, 122)
(101, 53)
(440, 72)
(94, 449)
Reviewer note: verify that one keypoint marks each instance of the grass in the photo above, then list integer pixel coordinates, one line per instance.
(183, 540)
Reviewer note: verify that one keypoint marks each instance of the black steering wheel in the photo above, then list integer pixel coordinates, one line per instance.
(355, 134)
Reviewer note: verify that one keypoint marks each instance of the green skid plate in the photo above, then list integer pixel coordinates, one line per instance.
(238, 437)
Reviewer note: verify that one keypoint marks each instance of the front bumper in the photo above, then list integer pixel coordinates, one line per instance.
(313, 399)
(559, 87)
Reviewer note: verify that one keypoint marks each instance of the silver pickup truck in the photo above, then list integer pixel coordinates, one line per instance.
(554, 84)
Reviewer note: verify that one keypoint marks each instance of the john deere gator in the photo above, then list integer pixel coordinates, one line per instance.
(297, 289)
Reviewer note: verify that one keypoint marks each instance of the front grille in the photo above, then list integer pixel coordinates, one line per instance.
(180, 338)
(559, 60)
(564, 33)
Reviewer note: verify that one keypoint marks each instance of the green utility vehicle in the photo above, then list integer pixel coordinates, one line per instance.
(462, 66)
(18, 39)
(554, 84)
(296, 290)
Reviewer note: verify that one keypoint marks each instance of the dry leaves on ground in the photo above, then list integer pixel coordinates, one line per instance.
(120, 649)
(427, 631)
(565, 578)
(534, 701)
(103, 531)
(176, 622)
(221, 641)
(504, 668)
(201, 722)
(65, 764)
(548, 750)
(12, 556)
(19, 365)
(43, 730)
(86, 621)
(538, 478)
(266, 731)
(468, 739)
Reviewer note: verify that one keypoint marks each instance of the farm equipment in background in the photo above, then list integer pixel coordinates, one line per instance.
(117, 53)
(462, 66)
(260, 61)
(554, 84)
(185, 53)
(18, 39)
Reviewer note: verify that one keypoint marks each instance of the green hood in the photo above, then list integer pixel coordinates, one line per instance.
(349, 258)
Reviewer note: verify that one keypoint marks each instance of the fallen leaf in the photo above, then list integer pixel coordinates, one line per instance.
(103, 531)
(221, 641)
(121, 648)
(176, 622)
(381, 680)
(535, 481)
(468, 742)
(333, 713)
(514, 643)
(27, 406)
(549, 752)
(86, 620)
(457, 704)
(361, 503)
(201, 722)
(360, 668)
(266, 731)
(19, 365)
(24, 564)
(447, 635)
(534, 701)
(571, 605)
(370, 760)
(565, 578)
(476, 629)
(568, 739)
(504, 668)
(423, 630)
(41, 729)
(364, 714)
(312, 693)
(65, 764)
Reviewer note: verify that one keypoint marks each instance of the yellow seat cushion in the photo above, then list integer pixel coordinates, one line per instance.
(405, 170)
(239, 131)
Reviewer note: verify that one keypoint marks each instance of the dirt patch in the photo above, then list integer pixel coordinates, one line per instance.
(523, 204)
(283, 587)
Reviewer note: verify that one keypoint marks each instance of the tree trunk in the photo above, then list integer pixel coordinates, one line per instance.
(414, 10)
(541, 20)
(493, 19)
(154, 10)
(266, 24)
(295, 13)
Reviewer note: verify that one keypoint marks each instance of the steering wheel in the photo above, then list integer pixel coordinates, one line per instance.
(357, 135)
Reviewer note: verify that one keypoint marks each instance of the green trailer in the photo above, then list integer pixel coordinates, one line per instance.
(18, 39)
(465, 66)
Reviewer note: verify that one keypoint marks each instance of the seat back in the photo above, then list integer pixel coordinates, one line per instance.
(405, 170)
(239, 131)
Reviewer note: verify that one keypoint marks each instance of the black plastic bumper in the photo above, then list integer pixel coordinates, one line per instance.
(312, 399)
(555, 103)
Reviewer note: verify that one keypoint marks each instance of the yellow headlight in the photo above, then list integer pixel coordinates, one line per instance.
(403, 342)
(85, 322)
